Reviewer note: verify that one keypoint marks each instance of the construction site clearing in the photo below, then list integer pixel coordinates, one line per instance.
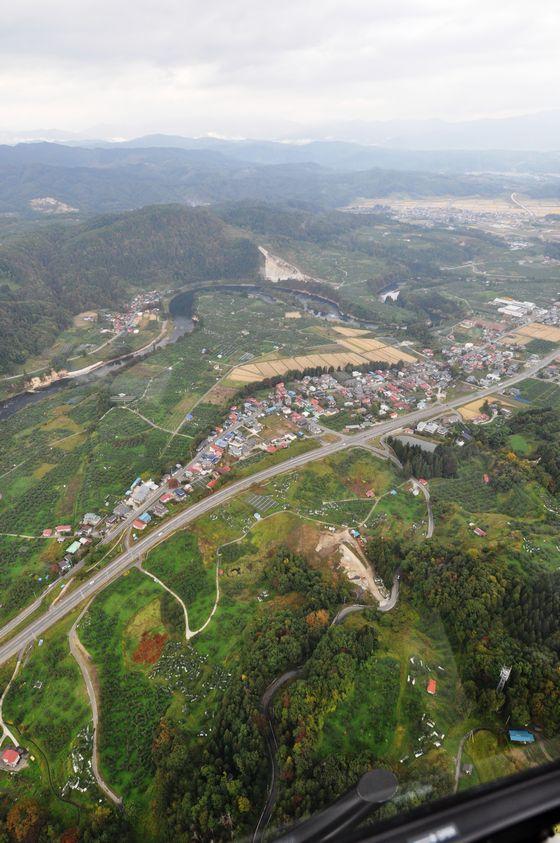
(350, 558)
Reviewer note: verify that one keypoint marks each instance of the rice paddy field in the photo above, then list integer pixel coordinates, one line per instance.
(349, 349)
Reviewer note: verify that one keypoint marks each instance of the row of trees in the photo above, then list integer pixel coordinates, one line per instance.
(313, 371)
(417, 462)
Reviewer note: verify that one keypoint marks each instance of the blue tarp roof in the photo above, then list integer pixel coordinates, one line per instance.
(521, 736)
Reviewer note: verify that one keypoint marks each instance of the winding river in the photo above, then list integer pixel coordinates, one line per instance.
(181, 308)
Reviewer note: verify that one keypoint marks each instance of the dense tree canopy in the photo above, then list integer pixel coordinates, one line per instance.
(52, 273)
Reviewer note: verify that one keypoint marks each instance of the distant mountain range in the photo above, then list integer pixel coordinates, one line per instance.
(99, 176)
(122, 178)
(537, 132)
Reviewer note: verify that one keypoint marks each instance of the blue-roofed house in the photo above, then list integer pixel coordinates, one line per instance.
(145, 517)
(521, 736)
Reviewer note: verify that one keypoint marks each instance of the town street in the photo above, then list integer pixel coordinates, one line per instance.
(129, 557)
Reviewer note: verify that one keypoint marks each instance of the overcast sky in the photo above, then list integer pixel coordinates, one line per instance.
(270, 69)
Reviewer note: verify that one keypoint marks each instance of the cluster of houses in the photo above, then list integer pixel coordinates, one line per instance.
(241, 435)
(483, 363)
(81, 539)
(366, 395)
(129, 319)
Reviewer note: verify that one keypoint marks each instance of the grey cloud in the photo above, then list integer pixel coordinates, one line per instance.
(177, 63)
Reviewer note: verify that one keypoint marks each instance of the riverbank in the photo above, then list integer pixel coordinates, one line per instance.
(183, 321)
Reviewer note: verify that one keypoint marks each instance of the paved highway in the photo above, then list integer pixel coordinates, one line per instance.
(128, 558)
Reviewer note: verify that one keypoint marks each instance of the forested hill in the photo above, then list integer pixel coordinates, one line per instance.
(53, 273)
(100, 180)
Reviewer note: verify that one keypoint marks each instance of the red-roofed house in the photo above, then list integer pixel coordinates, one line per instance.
(64, 528)
(432, 686)
(139, 525)
(11, 757)
(47, 533)
(166, 497)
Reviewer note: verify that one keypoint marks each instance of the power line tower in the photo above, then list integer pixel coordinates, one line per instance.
(504, 676)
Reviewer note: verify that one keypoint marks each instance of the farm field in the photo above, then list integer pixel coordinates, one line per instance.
(540, 393)
(495, 757)
(73, 452)
(49, 709)
(357, 352)
(124, 633)
(539, 207)
(179, 564)
(537, 331)
(355, 489)
(472, 410)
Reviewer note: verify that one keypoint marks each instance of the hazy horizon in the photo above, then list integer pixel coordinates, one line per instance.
(254, 71)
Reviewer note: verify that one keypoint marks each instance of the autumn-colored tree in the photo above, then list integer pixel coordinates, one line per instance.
(25, 820)
(243, 805)
(317, 619)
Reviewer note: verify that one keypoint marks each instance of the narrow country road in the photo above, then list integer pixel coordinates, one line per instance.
(188, 632)
(83, 659)
(129, 556)
(426, 492)
(6, 733)
(464, 739)
(274, 687)
(150, 422)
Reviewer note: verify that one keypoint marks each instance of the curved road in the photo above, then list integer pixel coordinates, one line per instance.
(425, 491)
(279, 682)
(128, 558)
(83, 658)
